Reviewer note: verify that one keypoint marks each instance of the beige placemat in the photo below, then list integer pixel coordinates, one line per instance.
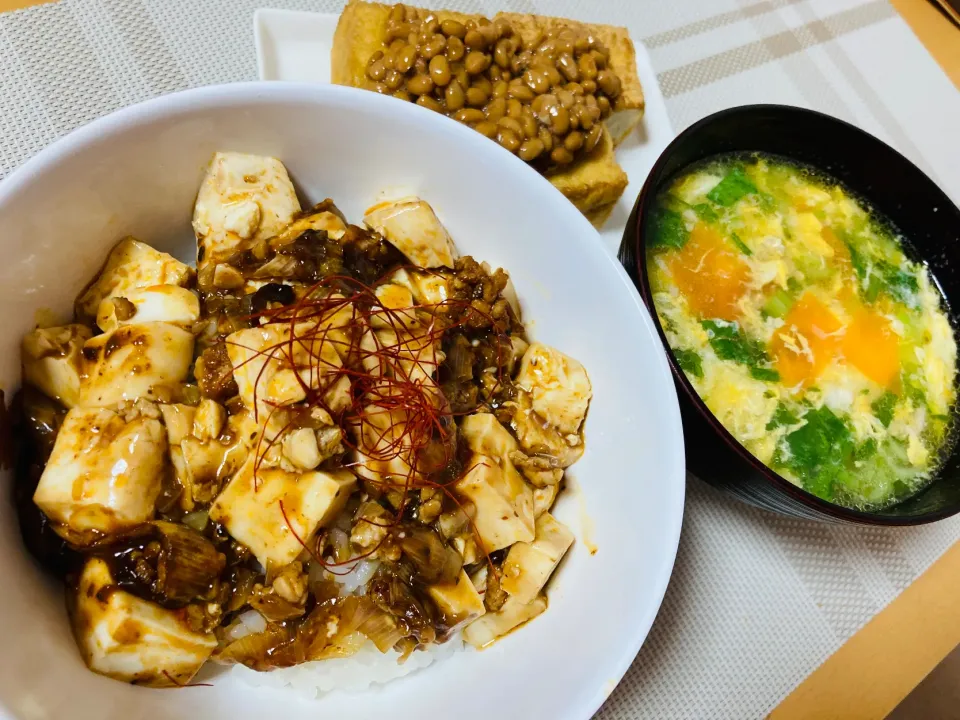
(757, 601)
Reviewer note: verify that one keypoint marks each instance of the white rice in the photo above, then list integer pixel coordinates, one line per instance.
(356, 673)
(354, 581)
(353, 674)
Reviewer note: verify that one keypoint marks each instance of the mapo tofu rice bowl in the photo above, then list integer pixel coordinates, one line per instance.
(327, 440)
(261, 432)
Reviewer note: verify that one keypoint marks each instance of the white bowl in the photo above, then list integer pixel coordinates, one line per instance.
(137, 172)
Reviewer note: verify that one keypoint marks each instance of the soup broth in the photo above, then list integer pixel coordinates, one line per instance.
(794, 312)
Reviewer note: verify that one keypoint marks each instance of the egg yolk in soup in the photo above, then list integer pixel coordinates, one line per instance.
(795, 314)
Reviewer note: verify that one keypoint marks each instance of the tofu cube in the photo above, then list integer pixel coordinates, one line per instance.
(509, 294)
(133, 362)
(558, 385)
(466, 545)
(483, 631)
(209, 419)
(269, 372)
(411, 356)
(427, 288)
(621, 122)
(201, 465)
(158, 303)
(285, 388)
(52, 361)
(459, 602)
(504, 502)
(131, 265)
(411, 226)
(537, 437)
(322, 218)
(485, 435)
(279, 511)
(301, 449)
(528, 566)
(381, 454)
(392, 296)
(518, 346)
(129, 639)
(543, 498)
(178, 420)
(243, 199)
(104, 473)
(227, 277)
(540, 477)
(400, 345)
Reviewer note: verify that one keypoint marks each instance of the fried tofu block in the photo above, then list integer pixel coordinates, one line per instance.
(279, 511)
(52, 361)
(483, 631)
(243, 199)
(131, 265)
(104, 473)
(598, 216)
(129, 639)
(528, 566)
(411, 226)
(158, 303)
(459, 602)
(504, 502)
(133, 362)
(594, 183)
(360, 33)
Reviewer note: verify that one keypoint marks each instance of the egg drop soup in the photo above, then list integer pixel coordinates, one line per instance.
(795, 314)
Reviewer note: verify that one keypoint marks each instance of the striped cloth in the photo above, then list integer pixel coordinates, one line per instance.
(757, 601)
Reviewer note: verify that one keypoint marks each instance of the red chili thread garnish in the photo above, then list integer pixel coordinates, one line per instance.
(394, 409)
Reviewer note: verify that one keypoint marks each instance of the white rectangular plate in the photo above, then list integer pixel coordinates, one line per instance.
(296, 45)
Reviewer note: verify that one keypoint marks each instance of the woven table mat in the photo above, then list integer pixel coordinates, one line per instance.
(757, 601)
